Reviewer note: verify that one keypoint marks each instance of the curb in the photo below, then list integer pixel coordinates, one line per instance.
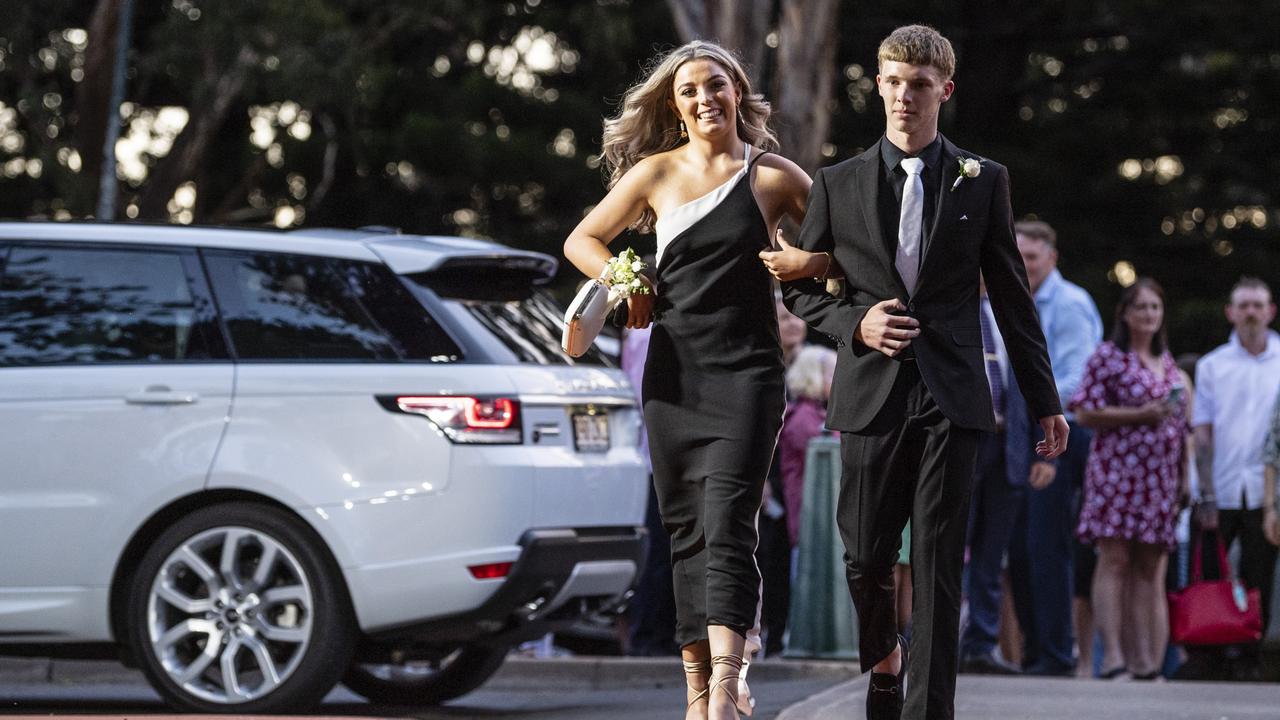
(576, 673)
(46, 670)
(596, 673)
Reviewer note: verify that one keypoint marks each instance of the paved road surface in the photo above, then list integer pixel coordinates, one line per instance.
(1026, 698)
(628, 689)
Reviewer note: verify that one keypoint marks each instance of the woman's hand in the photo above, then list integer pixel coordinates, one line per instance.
(639, 311)
(640, 306)
(1154, 412)
(789, 262)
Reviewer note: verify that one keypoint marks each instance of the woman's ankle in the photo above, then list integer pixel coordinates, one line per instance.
(892, 663)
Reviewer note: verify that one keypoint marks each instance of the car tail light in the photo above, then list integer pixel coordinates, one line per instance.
(465, 419)
(490, 571)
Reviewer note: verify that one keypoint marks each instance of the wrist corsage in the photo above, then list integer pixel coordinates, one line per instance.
(969, 168)
(622, 275)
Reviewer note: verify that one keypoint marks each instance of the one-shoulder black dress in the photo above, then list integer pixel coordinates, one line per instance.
(713, 399)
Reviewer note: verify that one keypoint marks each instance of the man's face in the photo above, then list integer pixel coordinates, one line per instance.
(1039, 258)
(1251, 310)
(912, 95)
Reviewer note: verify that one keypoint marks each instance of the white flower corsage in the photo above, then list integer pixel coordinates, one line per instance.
(622, 275)
(969, 168)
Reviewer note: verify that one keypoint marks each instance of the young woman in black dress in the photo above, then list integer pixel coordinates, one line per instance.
(688, 159)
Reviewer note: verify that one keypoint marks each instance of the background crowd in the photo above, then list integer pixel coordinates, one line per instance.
(1069, 561)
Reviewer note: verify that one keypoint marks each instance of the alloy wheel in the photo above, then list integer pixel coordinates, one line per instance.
(229, 614)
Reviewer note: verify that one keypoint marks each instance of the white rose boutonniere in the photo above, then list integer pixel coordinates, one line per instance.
(969, 168)
(622, 275)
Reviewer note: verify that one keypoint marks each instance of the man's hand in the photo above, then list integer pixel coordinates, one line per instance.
(1271, 525)
(1042, 475)
(1207, 514)
(881, 330)
(1055, 437)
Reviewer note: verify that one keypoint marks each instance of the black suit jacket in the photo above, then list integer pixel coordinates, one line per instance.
(972, 231)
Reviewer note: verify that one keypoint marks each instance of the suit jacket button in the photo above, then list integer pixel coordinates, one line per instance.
(911, 306)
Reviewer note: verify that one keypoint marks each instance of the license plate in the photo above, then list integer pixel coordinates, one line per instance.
(591, 432)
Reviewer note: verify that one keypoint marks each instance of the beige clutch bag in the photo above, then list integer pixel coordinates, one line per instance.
(586, 315)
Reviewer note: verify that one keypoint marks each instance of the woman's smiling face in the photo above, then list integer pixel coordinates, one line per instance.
(705, 97)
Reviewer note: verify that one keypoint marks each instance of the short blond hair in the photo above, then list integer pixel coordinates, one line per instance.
(919, 45)
(1037, 230)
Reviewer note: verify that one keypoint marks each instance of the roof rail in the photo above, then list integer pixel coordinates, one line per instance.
(384, 229)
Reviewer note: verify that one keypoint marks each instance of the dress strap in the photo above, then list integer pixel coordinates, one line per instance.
(752, 160)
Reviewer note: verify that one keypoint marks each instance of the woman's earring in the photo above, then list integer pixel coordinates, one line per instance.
(683, 132)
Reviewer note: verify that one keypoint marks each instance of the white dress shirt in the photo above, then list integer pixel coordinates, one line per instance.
(1235, 393)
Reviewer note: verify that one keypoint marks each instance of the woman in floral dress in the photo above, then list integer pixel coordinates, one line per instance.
(1134, 397)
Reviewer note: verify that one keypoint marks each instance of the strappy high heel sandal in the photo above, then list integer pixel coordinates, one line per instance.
(729, 682)
(700, 669)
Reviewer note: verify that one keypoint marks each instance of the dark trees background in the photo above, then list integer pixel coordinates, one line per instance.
(1143, 130)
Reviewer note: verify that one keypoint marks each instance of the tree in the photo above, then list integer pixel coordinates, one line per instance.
(802, 85)
(1143, 130)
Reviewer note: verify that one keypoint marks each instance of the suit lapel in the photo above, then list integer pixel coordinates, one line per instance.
(947, 198)
(868, 191)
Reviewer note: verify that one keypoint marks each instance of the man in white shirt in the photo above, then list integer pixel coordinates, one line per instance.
(1236, 388)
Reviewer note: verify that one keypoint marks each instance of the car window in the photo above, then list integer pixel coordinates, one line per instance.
(510, 308)
(64, 305)
(293, 307)
(531, 329)
(415, 333)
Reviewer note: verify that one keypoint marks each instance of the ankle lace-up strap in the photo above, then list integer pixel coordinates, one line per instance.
(698, 669)
(732, 682)
(729, 680)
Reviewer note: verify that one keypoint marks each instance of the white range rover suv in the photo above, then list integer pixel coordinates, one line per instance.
(254, 464)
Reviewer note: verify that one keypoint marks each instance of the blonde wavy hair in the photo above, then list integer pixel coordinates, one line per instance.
(646, 125)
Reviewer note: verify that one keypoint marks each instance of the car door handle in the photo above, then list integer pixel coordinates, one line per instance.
(161, 395)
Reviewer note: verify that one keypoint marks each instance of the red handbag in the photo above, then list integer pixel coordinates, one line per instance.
(1214, 612)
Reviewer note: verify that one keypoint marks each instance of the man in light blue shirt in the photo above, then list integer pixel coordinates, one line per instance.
(1041, 558)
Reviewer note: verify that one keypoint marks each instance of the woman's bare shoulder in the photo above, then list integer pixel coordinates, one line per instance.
(646, 173)
(656, 166)
(777, 172)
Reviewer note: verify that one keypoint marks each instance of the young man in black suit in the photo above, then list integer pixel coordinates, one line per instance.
(912, 221)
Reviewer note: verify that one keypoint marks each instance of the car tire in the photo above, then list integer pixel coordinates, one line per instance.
(257, 584)
(462, 671)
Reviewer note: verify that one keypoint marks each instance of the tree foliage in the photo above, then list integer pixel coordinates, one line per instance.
(1143, 130)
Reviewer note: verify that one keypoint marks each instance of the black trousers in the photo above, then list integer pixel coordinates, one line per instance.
(1257, 554)
(911, 462)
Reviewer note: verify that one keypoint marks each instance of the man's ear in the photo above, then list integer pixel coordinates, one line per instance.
(947, 88)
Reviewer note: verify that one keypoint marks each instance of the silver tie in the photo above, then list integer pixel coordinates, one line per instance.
(910, 222)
